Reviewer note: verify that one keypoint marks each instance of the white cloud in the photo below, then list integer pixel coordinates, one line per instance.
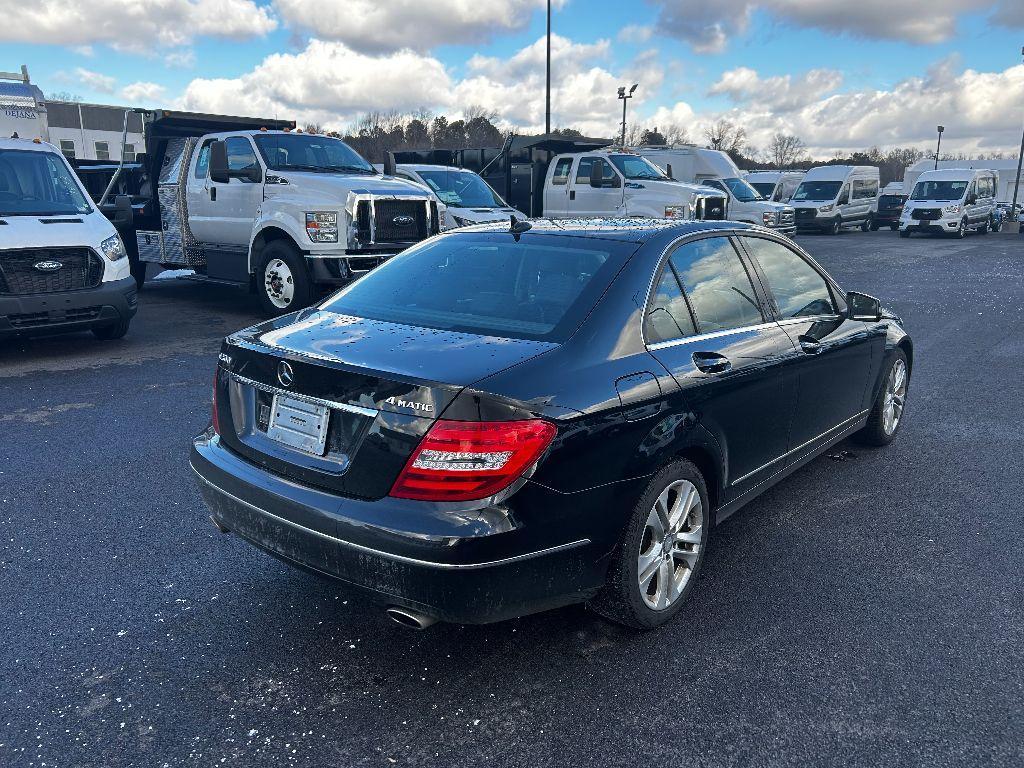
(143, 93)
(373, 25)
(635, 33)
(906, 114)
(94, 80)
(781, 93)
(1009, 12)
(709, 26)
(130, 24)
(184, 58)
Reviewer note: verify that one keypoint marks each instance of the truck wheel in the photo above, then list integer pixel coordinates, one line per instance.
(282, 280)
(894, 227)
(866, 225)
(112, 332)
(874, 225)
(835, 226)
(961, 231)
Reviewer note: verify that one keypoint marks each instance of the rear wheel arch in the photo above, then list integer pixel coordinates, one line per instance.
(908, 349)
(709, 466)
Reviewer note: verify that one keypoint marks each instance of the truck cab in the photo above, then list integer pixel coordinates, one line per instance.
(63, 266)
(777, 186)
(612, 183)
(715, 169)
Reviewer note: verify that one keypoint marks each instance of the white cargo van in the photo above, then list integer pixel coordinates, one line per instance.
(715, 169)
(610, 182)
(63, 266)
(464, 197)
(835, 196)
(951, 200)
(777, 186)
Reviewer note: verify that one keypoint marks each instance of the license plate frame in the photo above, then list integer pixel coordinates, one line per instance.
(299, 424)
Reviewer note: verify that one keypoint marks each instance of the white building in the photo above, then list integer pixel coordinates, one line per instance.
(84, 131)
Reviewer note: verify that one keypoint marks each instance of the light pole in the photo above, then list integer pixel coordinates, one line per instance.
(938, 146)
(1020, 160)
(625, 97)
(547, 105)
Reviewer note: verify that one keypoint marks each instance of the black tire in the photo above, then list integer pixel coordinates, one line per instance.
(113, 331)
(874, 432)
(904, 233)
(866, 225)
(983, 229)
(835, 226)
(301, 286)
(995, 225)
(894, 227)
(961, 231)
(621, 599)
(874, 226)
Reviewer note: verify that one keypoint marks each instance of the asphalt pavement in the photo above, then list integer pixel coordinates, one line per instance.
(867, 611)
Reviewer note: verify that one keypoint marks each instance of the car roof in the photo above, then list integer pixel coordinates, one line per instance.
(626, 230)
(953, 174)
(30, 145)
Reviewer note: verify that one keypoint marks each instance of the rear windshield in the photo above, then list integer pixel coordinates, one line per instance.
(539, 288)
(38, 184)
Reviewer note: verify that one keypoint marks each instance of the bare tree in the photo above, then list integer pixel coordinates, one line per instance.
(676, 134)
(785, 150)
(726, 136)
(313, 128)
(63, 96)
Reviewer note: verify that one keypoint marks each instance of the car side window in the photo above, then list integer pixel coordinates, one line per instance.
(241, 155)
(561, 175)
(798, 288)
(203, 161)
(583, 171)
(668, 316)
(717, 284)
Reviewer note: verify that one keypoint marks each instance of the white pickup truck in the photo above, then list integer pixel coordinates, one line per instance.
(610, 182)
(282, 213)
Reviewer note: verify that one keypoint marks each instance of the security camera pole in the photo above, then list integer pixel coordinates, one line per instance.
(625, 97)
(1016, 185)
(940, 129)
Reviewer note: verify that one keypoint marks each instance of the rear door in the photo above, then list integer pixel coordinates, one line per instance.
(705, 323)
(831, 361)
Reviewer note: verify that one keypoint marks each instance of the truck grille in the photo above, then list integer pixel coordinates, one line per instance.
(926, 214)
(399, 221)
(711, 209)
(803, 214)
(19, 274)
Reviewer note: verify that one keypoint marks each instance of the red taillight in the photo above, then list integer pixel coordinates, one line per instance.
(214, 416)
(467, 460)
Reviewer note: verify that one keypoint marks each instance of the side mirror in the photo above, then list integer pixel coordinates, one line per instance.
(668, 171)
(123, 215)
(972, 199)
(597, 173)
(219, 163)
(860, 306)
(389, 164)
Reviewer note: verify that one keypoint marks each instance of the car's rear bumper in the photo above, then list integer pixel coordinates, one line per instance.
(477, 574)
(46, 313)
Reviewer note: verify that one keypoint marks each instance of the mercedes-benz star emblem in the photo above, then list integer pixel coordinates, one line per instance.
(285, 374)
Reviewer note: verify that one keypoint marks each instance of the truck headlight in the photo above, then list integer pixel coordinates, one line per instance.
(113, 248)
(954, 208)
(769, 218)
(322, 226)
(827, 208)
(675, 211)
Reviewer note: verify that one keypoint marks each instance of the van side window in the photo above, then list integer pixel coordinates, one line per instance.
(717, 285)
(844, 195)
(864, 189)
(203, 161)
(561, 175)
(668, 317)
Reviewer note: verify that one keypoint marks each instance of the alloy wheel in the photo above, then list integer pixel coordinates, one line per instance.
(279, 283)
(670, 545)
(895, 397)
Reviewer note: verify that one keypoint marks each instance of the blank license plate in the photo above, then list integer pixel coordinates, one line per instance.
(299, 424)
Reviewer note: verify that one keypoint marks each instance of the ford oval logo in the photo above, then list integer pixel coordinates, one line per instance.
(285, 374)
(402, 221)
(47, 266)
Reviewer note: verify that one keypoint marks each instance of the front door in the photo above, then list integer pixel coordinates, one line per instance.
(585, 200)
(556, 191)
(833, 356)
(223, 214)
(706, 326)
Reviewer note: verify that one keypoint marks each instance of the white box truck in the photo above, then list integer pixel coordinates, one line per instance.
(715, 169)
(952, 201)
(832, 197)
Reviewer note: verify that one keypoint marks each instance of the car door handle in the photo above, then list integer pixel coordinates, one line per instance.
(711, 362)
(810, 345)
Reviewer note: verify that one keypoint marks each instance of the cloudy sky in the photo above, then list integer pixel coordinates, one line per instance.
(841, 74)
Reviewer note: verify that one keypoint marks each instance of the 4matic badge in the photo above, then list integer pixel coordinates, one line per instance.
(425, 407)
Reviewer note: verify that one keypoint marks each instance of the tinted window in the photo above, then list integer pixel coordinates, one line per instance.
(538, 288)
(668, 317)
(764, 188)
(561, 175)
(717, 284)
(816, 190)
(203, 161)
(240, 154)
(865, 188)
(461, 189)
(583, 172)
(939, 190)
(799, 290)
(310, 152)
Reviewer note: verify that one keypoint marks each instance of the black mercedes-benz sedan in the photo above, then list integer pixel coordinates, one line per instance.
(505, 418)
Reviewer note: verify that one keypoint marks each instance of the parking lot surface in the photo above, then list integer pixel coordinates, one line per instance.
(867, 611)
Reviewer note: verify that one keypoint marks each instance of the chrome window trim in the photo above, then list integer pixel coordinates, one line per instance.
(370, 412)
(809, 318)
(841, 425)
(710, 335)
(391, 555)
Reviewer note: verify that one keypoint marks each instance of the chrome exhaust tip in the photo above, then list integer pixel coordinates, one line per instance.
(409, 618)
(219, 525)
